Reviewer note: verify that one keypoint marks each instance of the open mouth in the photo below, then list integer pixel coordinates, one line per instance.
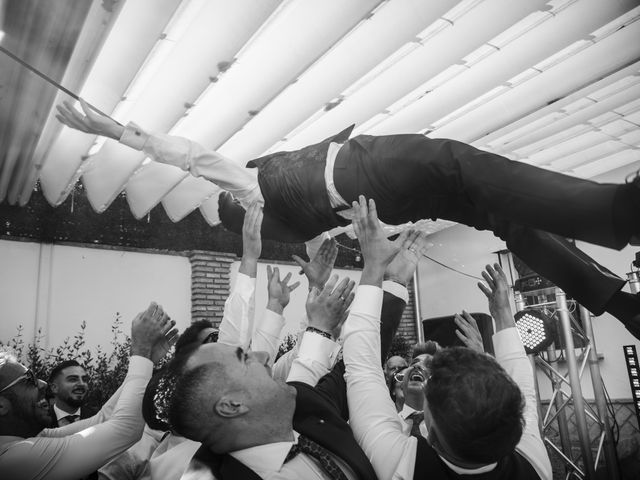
(417, 376)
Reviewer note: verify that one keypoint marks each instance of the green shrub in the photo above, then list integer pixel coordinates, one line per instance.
(106, 370)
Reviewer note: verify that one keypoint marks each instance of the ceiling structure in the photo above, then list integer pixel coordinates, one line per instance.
(554, 83)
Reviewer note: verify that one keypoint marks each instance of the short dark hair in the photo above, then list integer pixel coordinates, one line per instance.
(476, 405)
(190, 334)
(57, 370)
(184, 404)
(429, 347)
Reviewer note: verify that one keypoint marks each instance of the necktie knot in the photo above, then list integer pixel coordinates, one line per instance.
(319, 453)
(66, 420)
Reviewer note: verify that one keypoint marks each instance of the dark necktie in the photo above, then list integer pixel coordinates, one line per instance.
(323, 457)
(417, 418)
(68, 419)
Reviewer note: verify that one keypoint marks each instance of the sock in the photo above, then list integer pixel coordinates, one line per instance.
(626, 308)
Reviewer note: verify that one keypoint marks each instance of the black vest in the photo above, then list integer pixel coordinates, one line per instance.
(430, 466)
(293, 186)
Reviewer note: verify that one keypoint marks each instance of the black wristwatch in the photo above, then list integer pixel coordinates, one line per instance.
(319, 332)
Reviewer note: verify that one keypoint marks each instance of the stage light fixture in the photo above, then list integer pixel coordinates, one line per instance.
(537, 329)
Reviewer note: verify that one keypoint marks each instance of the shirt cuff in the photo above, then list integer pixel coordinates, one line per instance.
(244, 283)
(319, 349)
(272, 323)
(140, 366)
(507, 343)
(365, 311)
(396, 289)
(133, 136)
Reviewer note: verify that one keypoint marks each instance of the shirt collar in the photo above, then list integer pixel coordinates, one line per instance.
(61, 413)
(468, 471)
(264, 459)
(406, 411)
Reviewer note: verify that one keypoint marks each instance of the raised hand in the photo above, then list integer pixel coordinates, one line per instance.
(328, 309)
(405, 262)
(152, 333)
(375, 246)
(251, 240)
(469, 332)
(279, 290)
(91, 122)
(319, 268)
(497, 292)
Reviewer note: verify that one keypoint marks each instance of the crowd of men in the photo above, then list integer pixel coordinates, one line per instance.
(222, 408)
(327, 409)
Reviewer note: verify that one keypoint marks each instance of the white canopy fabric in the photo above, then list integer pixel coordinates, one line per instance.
(555, 83)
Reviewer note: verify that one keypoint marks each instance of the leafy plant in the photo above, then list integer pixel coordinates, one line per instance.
(287, 344)
(105, 369)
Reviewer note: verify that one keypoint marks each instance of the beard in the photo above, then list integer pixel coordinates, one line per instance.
(74, 398)
(75, 401)
(35, 413)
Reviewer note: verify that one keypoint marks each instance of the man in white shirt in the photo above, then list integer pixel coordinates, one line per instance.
(473, 405)
(30, 451)
(69, 385)
(228, 400)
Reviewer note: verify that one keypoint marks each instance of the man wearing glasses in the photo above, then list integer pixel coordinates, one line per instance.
(413, 379)
(31, 450)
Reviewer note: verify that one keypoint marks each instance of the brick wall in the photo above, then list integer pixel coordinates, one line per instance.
(209, 283)
(407, 326)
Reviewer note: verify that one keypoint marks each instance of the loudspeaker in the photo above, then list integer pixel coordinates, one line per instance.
(443, 331)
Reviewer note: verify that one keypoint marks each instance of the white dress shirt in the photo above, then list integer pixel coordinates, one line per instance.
(82, 447)
(198, 160)
(316, 356)
(404, 415)
(61, 413)
(202, 162)
(374, 420)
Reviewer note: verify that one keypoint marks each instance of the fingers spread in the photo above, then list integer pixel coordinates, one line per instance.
(300, 262)
(485, 290)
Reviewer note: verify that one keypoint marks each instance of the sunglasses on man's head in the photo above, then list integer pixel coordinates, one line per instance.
(27, 375)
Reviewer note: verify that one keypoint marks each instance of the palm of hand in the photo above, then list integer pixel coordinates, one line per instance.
(403, 265)
(317, 271)
(323, 313)
(280, 292)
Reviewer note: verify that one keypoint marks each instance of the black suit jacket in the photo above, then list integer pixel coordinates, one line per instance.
(429, 465)
(321, 413)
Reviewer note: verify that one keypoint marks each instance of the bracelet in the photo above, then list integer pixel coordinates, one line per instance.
(319, 332)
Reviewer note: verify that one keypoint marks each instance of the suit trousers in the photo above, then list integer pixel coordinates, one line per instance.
(412, 177)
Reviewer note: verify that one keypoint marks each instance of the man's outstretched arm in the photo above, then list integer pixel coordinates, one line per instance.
(511, 355)
(178, 151)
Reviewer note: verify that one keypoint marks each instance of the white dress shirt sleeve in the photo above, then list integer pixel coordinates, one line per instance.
(236, 327)
(266, 337)
(316, 356)
(196, 159)
(54, 456)
(373, 418)
(511, 355)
